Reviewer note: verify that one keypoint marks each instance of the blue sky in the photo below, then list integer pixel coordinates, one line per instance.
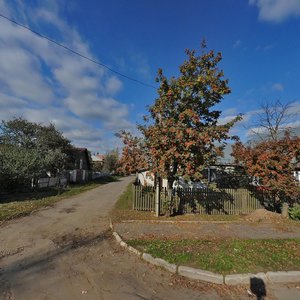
(259, 40)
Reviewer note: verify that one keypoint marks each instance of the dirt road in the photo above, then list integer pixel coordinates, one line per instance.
(67, 252)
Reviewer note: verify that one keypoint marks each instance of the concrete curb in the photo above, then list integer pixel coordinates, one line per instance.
(284, 277)
(206, 276)
(134, 251)
(117, 237)
(111, 225)
(178, 221)
(160, 263)
(200, 275)
(236, 279)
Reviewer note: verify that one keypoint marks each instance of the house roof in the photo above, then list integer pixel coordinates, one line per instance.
(98, 157)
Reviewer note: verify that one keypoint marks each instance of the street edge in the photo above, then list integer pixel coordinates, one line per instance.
(207, 276)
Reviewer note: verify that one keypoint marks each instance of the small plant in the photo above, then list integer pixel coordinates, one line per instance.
(294, 213)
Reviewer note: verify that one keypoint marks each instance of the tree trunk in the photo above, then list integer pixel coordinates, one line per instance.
(171, 179)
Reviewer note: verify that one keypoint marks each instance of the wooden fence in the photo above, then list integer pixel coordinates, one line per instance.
(143, 198)
(202, 201)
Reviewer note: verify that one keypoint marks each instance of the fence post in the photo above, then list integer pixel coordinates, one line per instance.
(157, 197)
(134, 196)
(285, 210)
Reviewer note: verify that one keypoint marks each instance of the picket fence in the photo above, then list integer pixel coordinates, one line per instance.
(202, 201)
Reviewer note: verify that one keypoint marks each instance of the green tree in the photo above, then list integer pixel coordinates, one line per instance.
(111, 159)
(182, 132)
(28, 150)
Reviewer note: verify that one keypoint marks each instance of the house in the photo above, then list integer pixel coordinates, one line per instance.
(98, 161)
(146, 178)
(80, 165)
(296, 172)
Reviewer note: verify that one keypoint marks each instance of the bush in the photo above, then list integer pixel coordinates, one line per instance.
(294, 213)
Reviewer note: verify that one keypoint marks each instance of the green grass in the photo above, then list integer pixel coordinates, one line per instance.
(226, 256)
(122, 210)
(125, 200)
(16, 205)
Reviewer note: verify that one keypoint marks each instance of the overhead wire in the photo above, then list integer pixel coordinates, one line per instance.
(75, 52)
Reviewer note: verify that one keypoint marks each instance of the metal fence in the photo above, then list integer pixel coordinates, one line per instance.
(203, 201)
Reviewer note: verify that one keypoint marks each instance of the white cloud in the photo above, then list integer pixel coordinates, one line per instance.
(295, 124)
(111, 112)
(142, 65)
(137, 62)
(45, 83)
(248, 127)
(268, 47)
(292, 120)
(113, 85)
(237, 44)
(4, 8)
(20, 75)
(229, 111)
(224, 120)
(10, 101)
(78, 131)
(278, 87)
(277, 10)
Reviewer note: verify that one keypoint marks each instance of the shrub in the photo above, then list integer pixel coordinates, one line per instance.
(294, 213)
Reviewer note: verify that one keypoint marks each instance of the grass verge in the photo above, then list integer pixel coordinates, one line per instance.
(15, 205)
(226, 256)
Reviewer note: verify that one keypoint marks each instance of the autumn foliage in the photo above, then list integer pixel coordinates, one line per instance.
(182, 132)
(133, 157)
(273, 162)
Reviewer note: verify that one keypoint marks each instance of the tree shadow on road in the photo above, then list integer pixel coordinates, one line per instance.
(42, 262)
(42, 193)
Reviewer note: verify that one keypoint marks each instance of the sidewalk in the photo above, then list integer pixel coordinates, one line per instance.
(137, 229)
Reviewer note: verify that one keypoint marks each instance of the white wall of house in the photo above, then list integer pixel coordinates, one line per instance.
(297, 175)
(52, 181)
(147, 179)
(73, 175)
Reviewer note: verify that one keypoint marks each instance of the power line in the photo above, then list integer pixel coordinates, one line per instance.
(75, 52)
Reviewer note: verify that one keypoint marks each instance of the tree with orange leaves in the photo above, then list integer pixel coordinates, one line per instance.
(273, 162)
(182, 131)
(133, 157)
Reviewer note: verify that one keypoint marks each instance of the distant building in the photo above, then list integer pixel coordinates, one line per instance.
(98, 161)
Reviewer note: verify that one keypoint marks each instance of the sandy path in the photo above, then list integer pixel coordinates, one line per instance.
(197, 230)
(67, 252)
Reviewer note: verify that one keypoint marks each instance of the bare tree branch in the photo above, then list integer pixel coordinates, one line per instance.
(273, 120)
